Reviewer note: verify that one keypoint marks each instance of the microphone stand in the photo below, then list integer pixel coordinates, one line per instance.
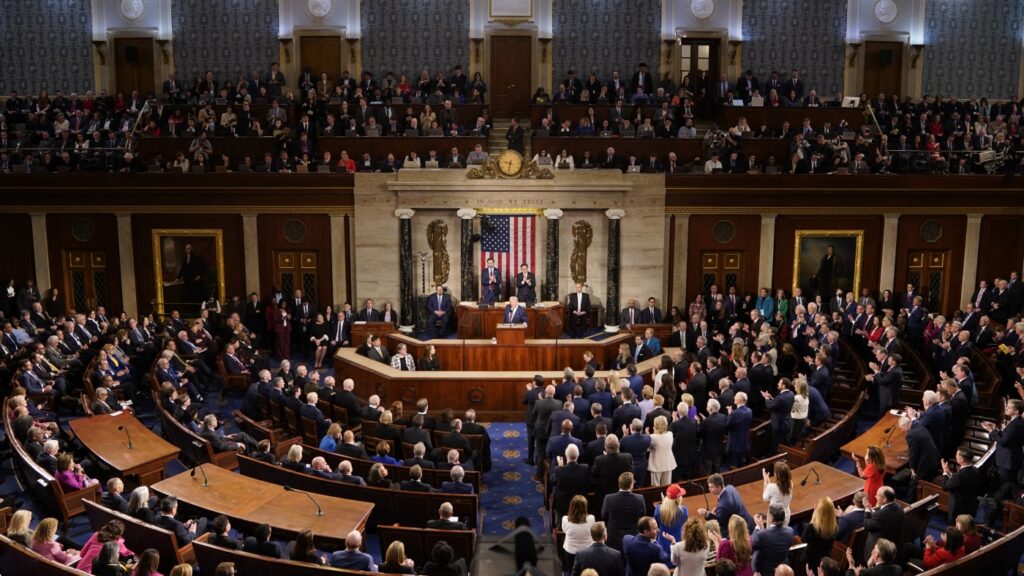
(127, 433)
(319, 510)
(817, 477)
(206, 481)
(889, 433)
(707, 504)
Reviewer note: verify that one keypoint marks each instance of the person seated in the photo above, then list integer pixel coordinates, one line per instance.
(183, 531)
(44, 543)
(443, 561)
(456, 485)
(19, 528)
(444, 520)
(395, 561)
(261, 543)
(112, 533)
(112, 498)
(383, 454)
(319, 467)
(415, 482)
(139, 505)
(293, 459)
(378, 476)
(352, 558)
(263, 452)
(71, 476)
(345, 472)
(103, 403)
(330, 441)
(220, 535)
(452, 460)
(348, 447)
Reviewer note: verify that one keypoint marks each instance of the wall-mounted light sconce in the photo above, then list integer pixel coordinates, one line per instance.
(734, 50)
(477, 42)
(854, 49)
(669, 44)
(918, 49)
(352, 49)
(99, 45)
(162, 43)
(286, 44)
(544, 48)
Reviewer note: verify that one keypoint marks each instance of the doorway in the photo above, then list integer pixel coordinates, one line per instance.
(297, 271)
(721, 268)
(927, 271)
(86, 280)
(321, 54)
(700, 59)
(133, 65)
(883, 68)
(511, 75)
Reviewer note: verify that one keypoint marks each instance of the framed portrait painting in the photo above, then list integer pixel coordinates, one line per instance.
(189, 268)
(824, 260)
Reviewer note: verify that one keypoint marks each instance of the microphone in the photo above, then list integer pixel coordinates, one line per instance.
(889, 433)
(128, 433)
(206, 481)
(707, 504)
(817, 478)
(319, 510)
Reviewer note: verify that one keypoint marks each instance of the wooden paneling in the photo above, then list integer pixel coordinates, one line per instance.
(883, 68)
(142, 237)
(321, 54)
(17, 260)
(952, 240)
(785, 237)
(272, 239)
(133, 61)
(746, 241)
(1001, 248)
(60, 234)
(510, 75)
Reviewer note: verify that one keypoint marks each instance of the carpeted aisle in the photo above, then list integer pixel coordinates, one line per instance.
(509, 491)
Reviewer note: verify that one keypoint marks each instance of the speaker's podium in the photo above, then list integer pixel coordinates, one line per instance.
(510, 334)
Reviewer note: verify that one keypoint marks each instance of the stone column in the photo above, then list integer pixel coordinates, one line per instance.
(549, 291)
(338, 260)
(468, 274)
(680, 257)
(408, 299)
(611, 305)
(970, 274)
(126, 253)
(766, 260)
(251, 244)
(41, 252)
(890, 230)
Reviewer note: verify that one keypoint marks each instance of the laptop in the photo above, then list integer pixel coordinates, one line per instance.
(243, 168)
(633, 169)
(220, 169)
(738, 102)
(302, 169)
(605, 134)
(851, 101)
(431, 164)
(323, 169)
(397, 100)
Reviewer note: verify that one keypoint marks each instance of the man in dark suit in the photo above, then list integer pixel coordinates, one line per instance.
(544, 407)
(569, 478)
(378, 352)
(445, 522)
(608, 468)
(771, 540)
(112, 497)
(262, 544)
(853, 517)
(964, 485)
(738, 427)
(578, 309)
(491, 280)
(469, 426)
(638, 350)
(713, 431)
(312, 412)
(348, 447)
(780, 407)
(625, 414)
(526, 286)
(605, 560)
(369, 313)
(684, 444)
(183, 531)
(622, 510)
(729, 502)
(887, 380)
(885, 521)
(415, 433)
(637, 444)
(630, 315)
(1009, 440)
(881, 562)
(651, 314)
(418, 458)
(642, 79)
(557, 444)
(642, 549)
(347, 400)
(455, 439)
(415, 482)
(456, 484)
(959, 410)
(222, 442)
(923, 457)
(514, 313)
(439, 306)
(514, 136)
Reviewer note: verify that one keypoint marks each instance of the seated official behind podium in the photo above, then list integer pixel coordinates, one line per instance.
(514, 313)
(440, 308)
(578, 306)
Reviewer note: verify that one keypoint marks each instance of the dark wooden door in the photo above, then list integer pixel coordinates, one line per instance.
(297, 271)
(321, 54)
(722, 268)
(133, 65)
(86, 279)
(701, 55)
(510, 76)
(883, 68)
(928, 271)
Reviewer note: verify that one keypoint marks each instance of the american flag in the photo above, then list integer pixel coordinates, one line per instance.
(509, 240)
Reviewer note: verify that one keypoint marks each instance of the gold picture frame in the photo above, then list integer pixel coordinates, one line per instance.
(168, 251)
(809, 248)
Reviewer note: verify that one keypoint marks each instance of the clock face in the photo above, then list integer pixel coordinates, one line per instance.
(132, 9)
(319, 8)
(510, 162)
(886, 11)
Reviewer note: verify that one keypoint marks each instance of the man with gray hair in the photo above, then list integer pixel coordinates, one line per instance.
(456, 485)
(923, 458)
(351, 558)
(564, 388)
(444, 520)
(102, 403)
(568, 478)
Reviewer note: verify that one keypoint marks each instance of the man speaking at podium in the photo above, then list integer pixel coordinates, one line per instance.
(514, 313)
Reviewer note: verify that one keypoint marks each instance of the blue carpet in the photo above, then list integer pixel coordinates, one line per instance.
(509, 491)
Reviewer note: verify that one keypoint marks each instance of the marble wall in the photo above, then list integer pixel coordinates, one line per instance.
(973, 48)
(46, 45)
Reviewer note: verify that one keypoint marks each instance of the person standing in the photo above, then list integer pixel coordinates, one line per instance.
(514, 136)
(282, 324)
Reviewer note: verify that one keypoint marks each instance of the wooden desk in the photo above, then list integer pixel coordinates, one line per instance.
(147, 457)
(360, 330)
(835, 484)
(774, 117)
(686, 149)
(249, 502)
(544, 321)
(895, 454)
(377, 147)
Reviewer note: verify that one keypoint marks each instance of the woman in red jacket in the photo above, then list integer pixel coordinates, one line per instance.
(952, 548)
(872, 469)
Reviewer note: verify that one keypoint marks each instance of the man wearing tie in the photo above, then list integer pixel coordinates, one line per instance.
(440, 307)
(369, 314)
(652, 314)
(579, 310)
(514, 313)
(492, 283)
(526, 284)
(341, 332)
(630, 315)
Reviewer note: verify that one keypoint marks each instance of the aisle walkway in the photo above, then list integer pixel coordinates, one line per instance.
(509, 491)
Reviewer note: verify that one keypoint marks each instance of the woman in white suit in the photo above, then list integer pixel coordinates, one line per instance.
(661, 462)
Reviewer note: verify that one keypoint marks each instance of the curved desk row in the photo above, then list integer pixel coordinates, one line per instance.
(495, 395)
